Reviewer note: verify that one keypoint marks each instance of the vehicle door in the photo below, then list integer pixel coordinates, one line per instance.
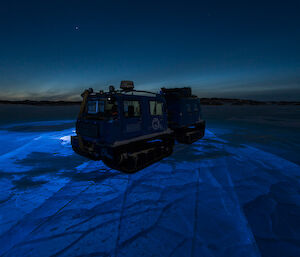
(132, 118)
(157, 120)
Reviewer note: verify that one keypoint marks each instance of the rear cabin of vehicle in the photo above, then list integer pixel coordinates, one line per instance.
(184, 114)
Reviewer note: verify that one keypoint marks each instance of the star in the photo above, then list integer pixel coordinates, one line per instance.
(76, 28)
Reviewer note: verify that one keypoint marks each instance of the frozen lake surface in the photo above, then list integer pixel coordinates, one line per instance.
(236, 192)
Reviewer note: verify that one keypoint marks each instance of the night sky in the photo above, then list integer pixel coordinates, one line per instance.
(55, 49)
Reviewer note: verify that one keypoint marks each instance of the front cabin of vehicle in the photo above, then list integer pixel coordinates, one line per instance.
(127, 129)
(111, 118)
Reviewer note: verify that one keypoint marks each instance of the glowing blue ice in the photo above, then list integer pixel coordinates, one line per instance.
(207, 199)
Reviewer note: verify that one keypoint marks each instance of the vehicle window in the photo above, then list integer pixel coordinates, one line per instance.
(102, 108)
(132, 109)
(92, 107)
(156, 108)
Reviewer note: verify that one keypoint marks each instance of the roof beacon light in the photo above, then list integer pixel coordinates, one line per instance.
(127, 85)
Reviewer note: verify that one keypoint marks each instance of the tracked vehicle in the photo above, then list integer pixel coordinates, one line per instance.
(129, 129)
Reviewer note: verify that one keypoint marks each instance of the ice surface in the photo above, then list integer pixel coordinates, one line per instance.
(213, 198)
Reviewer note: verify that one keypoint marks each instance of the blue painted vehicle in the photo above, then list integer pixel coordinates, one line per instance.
(130, 129)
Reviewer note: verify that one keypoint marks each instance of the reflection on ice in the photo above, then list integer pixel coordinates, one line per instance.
(212, 198)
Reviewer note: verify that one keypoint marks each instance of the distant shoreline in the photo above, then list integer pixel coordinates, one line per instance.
(234, 101)
(32, 102)
(204, 101)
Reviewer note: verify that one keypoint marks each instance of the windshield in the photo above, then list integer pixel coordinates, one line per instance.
(101, 108)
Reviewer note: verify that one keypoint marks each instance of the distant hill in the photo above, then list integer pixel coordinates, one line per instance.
(204, 101)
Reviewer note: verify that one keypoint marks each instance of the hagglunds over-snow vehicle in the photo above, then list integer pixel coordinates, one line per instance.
(130, 129)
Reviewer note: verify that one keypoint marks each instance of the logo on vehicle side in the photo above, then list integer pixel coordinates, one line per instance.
(155, 124)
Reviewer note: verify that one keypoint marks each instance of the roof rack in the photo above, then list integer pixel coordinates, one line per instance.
(126, 86)
(138, 91)
(177, 92)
